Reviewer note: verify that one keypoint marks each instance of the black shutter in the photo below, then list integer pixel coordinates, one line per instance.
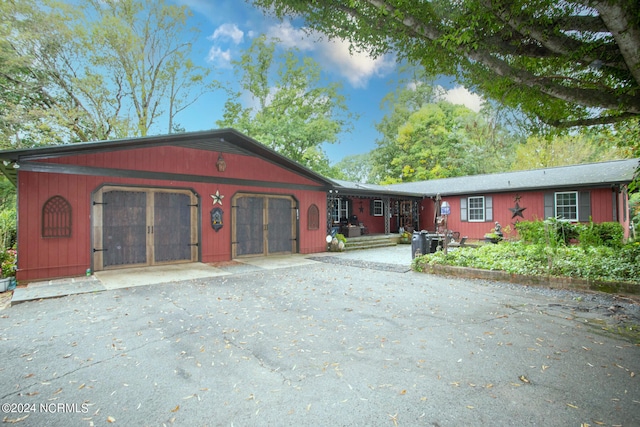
(463, 209)
(488, 208)
(549, 205)
(584, 206)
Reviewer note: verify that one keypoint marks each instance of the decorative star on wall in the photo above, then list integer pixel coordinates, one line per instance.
(517, 211)
(217, 198)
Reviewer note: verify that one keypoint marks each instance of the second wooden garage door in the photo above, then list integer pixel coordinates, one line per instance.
(264, 224)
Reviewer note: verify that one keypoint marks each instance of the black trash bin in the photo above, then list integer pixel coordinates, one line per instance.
(432, 241)
(417, 244)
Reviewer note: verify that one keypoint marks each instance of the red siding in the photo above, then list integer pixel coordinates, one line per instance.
(601, 211)
(179, 160)
(41, 258)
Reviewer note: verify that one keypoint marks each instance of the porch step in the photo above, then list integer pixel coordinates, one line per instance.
(370, 242)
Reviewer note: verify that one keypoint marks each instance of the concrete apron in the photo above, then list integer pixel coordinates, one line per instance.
(143, 276)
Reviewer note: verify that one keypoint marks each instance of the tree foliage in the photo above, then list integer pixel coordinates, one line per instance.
(356, 168)
(569, 63)
(424, 137)
(443, 140)
(289, 108)
(96, 70)
(566, 150)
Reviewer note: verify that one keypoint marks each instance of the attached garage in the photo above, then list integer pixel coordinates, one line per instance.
(135, 226)
(264, 224)
(201, 196)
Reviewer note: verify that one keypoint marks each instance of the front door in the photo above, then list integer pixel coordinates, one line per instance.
(138, 227)
(264, 224)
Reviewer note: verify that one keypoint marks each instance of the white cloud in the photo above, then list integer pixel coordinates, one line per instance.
(461, 96)
(228, 31)
(287, 36)
(357, 67)
(334, 55)
(222, 58)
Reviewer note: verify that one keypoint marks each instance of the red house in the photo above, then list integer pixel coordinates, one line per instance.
(218, 195)
(596, 191)
(206, 196)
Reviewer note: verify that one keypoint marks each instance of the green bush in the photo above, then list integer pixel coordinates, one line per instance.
(532, 232)
(594, 262)
(608, 234)
(551, 231)
(7, 228)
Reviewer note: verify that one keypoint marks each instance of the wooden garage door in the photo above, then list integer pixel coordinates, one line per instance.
(137, 226)
(263, 224)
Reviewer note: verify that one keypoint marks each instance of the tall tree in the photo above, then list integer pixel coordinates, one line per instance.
(568, 63)
(444, 140)
(413, 93)
(541, 151)
(356, 168)
(95, 70)
(290, 110)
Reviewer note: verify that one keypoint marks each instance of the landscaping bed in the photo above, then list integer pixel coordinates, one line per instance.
(548, 258)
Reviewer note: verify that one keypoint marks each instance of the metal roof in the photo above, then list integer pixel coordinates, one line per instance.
(576, 176)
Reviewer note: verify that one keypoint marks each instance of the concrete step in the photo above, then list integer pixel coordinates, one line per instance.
(370, 246)
(369, 242)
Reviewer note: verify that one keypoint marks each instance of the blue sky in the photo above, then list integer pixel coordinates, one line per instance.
(228, 26)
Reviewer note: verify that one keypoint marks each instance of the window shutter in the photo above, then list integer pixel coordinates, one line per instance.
(488, 208)
(549, 208)
(372, 205)
(584, 206)
(463, 209)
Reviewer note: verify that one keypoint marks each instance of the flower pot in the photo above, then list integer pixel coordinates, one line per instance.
(4, 284)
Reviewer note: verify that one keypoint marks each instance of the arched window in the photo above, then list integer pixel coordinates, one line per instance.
(56, 218)
(313, 218)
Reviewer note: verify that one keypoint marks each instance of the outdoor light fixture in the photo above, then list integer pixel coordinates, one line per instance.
(221, 165)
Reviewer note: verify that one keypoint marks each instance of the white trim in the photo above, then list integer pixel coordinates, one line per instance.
(474, 210)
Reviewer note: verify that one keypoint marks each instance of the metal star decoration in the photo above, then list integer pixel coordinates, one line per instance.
(217, 198)
(517, 211)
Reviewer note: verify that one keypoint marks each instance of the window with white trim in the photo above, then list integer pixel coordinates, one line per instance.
(476, 209)
(377, 208)
(340, 210)
(567, 205)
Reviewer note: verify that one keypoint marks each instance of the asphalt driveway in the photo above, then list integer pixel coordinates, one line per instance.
(339, 342)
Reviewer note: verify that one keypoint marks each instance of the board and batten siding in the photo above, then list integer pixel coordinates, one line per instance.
(597, 203)
(72, 256)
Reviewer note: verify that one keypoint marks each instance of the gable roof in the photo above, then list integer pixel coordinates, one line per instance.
(222, 140)
(577, 176)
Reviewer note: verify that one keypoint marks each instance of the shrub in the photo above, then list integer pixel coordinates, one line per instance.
(7, 228)
(596, 262)
(8, 262)
(551, 232)
(604, 234)
(531, 231)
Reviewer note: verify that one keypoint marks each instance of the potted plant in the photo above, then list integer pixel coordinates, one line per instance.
(405, 237)
(337, 243)
(495, 235)
(7, 268)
